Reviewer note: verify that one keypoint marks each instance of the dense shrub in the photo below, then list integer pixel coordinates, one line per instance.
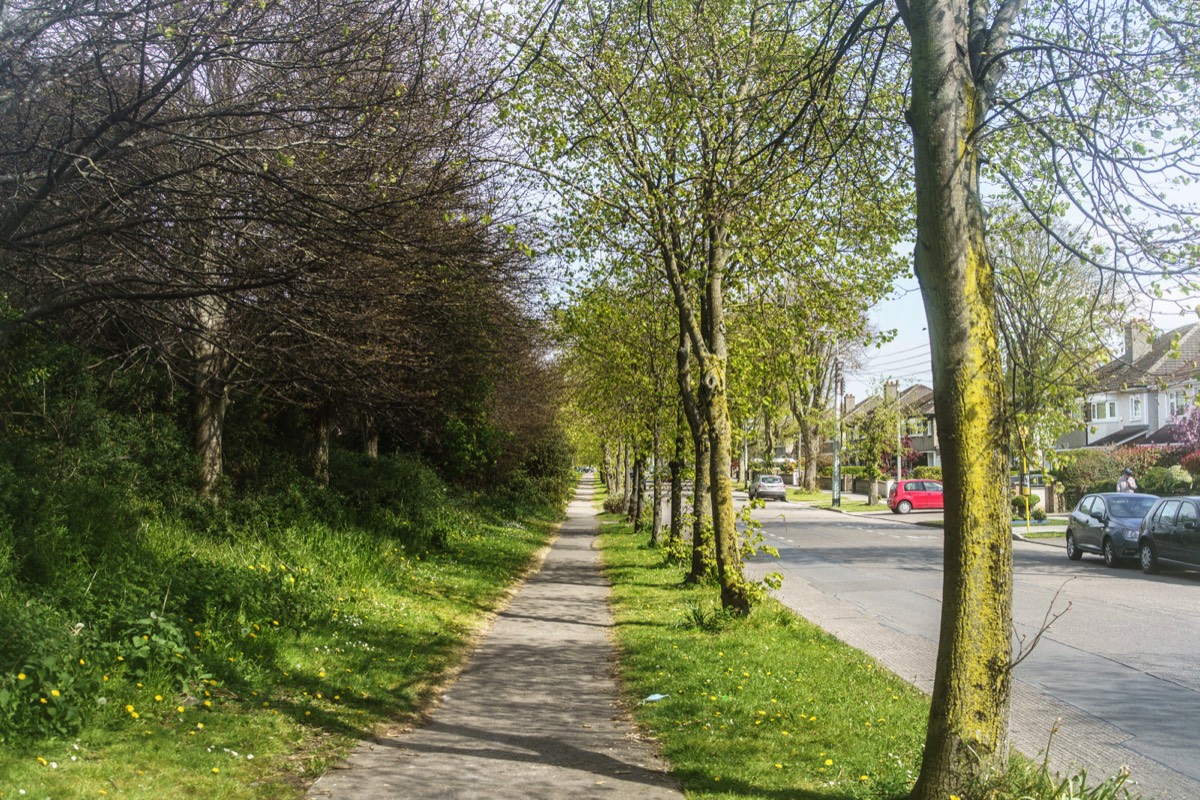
(1021, 502)
(934, 473)
(115, 574)
(1191, 462)
(1165, 481)
(1084, 471)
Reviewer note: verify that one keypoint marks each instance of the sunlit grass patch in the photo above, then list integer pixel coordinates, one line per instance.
(766, 707)
(374, 629)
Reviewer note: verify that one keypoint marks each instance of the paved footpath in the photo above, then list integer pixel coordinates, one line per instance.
(535, 713)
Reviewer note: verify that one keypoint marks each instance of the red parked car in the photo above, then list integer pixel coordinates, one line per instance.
(909, 494)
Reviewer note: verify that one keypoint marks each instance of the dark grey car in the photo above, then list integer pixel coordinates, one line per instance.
(1107, 524)
(1170, 534)
(768, 487)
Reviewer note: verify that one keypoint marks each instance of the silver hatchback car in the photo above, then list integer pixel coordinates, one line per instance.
(768, 487)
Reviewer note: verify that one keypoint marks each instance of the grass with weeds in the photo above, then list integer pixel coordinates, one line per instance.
(772, 707)
(768, 707)
(295, 693)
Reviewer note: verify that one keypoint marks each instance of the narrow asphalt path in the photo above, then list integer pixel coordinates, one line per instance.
(535, 713)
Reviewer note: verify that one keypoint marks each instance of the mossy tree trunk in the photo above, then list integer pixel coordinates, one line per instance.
(968, 726)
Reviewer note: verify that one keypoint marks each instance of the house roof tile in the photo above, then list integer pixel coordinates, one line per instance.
(1165, 363)
(917, 399)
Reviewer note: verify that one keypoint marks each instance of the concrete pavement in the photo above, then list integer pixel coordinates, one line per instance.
(535, 714)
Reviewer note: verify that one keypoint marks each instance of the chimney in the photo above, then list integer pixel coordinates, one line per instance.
(891, 389)
(1137, 342)
(848, 404)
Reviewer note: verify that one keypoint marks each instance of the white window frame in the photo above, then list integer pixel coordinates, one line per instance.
(1099, 408)
(1176, 402)
(1135, 409)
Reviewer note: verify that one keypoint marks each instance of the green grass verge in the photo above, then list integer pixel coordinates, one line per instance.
(297, 693)
(770, 707)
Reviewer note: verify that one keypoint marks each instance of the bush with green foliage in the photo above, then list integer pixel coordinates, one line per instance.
(933, 473)
(1022, 503)
(1084, 471)
(118, 579)
(1165, 481)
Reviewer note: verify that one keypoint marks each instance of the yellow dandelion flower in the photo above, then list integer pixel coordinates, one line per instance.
(215, 770)
(179, 709)
(20, 676)
(129, 708)
(55, 693)
(134, 715)
(158, 698)
(829, 762)
(43, 761)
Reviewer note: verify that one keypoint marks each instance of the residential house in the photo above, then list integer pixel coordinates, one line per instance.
(919, 425)
(1136, 396)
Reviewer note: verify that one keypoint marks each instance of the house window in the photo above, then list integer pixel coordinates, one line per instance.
(1176, 403)
(1135, 409)
(1104, 411)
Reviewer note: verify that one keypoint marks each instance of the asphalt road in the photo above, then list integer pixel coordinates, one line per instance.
(1117, 674)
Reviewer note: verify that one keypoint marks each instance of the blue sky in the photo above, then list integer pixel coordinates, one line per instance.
(906, 357)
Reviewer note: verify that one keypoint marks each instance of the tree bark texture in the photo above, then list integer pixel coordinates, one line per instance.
(636, 494)
(323, 432)
(968, 726)
(212, 397)
(675, 533)
(656, 522)
(702, 555)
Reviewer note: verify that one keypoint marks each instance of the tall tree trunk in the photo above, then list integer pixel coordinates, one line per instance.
(701, 504)
(370, 437)
(631, 482)
(608, 469)
(968, 725)
(656, 522)
(675, 534)
(323, 430)
(810, 446)
(768, 440)
(714, 404)
(639, 480)
(702, 556)
(727, 547)
(212, 395)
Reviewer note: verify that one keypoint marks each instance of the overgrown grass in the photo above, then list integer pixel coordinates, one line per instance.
(772, 707)
(241, 659)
